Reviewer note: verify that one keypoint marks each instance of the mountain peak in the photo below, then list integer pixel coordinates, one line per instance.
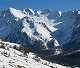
(17, 13)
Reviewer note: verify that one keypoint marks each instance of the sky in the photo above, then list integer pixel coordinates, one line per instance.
(41, 4)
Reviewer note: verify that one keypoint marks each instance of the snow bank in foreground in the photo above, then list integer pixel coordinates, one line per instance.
(12, 58)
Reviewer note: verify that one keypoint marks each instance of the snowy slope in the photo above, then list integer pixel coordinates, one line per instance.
(12, 58)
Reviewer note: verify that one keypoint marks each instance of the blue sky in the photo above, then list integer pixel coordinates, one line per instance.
(41, 4)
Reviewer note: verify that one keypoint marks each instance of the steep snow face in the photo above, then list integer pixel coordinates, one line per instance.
(39, 28)
(45, 33)
(17, 13)
(12, 58)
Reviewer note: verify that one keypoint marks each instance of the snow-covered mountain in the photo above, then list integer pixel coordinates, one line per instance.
(27, 27)
(46, 32)
(40, 29)
(12, 56)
